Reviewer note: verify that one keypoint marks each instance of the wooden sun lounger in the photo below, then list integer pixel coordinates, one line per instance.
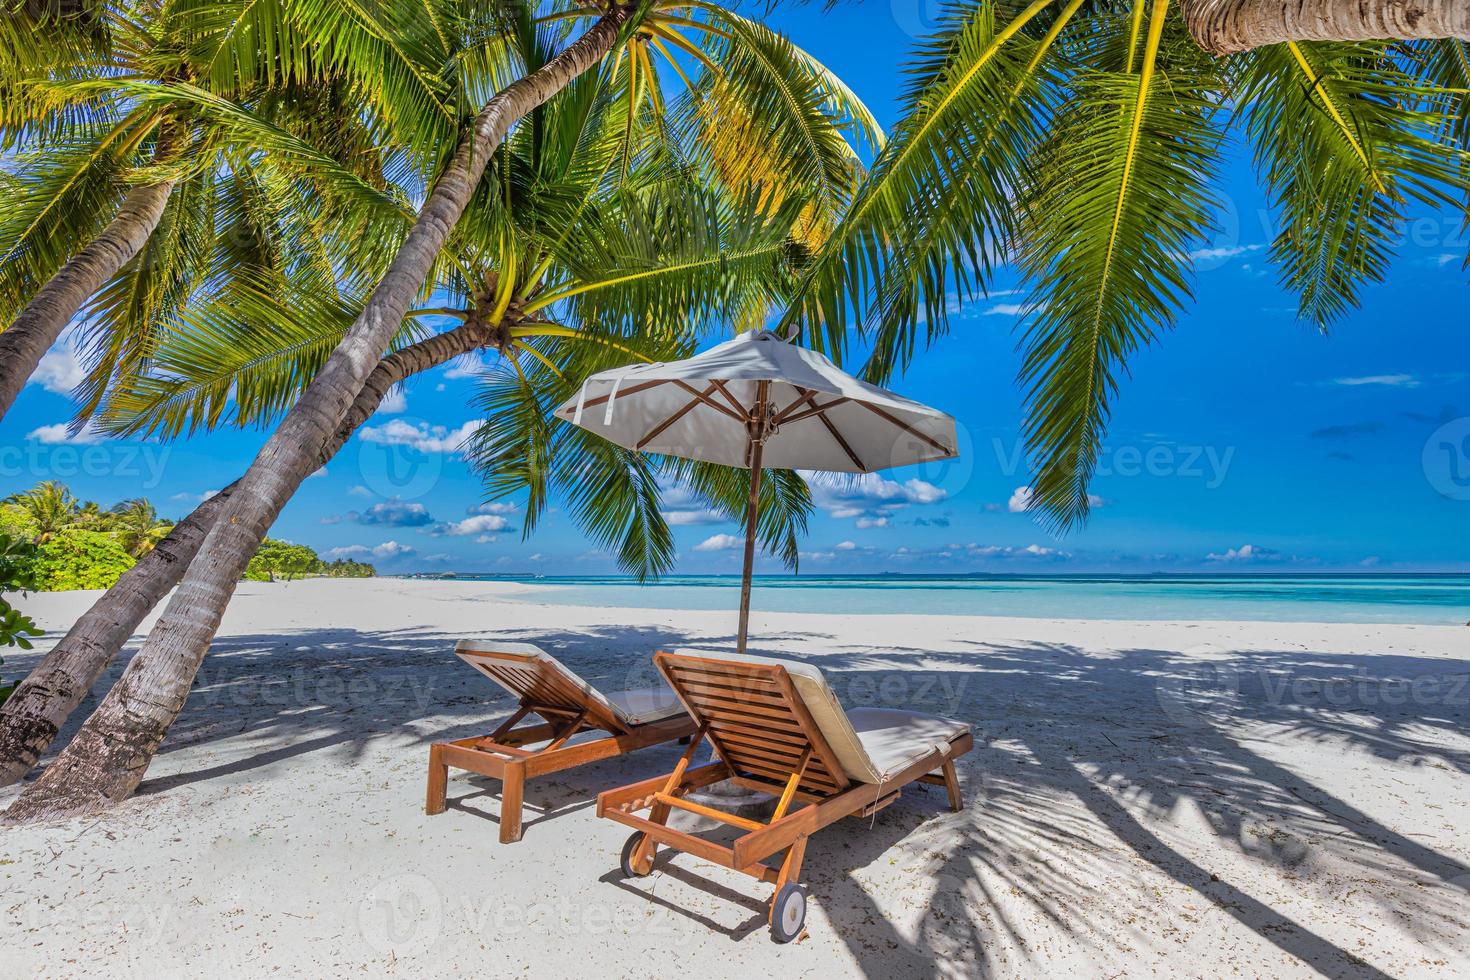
(633, 719)
(775, 726)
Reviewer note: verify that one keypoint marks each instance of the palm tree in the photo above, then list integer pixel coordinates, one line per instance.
(50, 507)
(92, 761)
(139, 134)
(1082, 141)
(138, 527)
(1231, 26)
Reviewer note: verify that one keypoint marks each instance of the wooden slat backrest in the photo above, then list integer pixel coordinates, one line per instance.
(755, 719)
(540, 685)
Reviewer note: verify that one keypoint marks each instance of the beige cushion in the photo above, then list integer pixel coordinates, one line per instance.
(892, 742)
(895, 738)
(638, 706)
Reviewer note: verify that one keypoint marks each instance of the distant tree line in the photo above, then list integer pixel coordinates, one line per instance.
(67, 543)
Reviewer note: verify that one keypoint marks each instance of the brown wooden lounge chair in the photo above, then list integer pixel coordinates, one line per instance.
(633, 719)
(776, 726)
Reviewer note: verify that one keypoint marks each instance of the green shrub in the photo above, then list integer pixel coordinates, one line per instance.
(275, 557)
(17, 558)
(78, 559)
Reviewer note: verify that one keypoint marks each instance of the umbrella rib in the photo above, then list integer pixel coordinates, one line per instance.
(658, 430)
(704, 397)
(591, 402)
(807, 394)
(906, 427)
(814, 410)
(842, 442)
(734, 402)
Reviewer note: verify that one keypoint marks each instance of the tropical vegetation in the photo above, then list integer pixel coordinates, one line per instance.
(292, 561)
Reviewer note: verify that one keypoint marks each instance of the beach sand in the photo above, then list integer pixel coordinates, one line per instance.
(1144, 799)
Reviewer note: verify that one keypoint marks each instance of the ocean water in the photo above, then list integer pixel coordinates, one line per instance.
(1421, 599)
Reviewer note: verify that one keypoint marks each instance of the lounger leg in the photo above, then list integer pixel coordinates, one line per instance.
(512, 791)
(643, 857)
(791, 865)
(438, 781)
(952, 784)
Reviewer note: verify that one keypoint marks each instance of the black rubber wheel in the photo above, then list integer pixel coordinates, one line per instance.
(788, 913)
(627, 859)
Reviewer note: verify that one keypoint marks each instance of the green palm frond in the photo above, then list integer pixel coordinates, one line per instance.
(239, 359)
(763, 114)
(676, 258)
(60, 195)
(1344, 147)
(950, 142)
(1122, 195)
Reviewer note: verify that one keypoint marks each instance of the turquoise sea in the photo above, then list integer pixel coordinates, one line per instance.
(1424, 599)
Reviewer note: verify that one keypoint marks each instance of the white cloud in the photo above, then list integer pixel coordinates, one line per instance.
(846, 546)
(1007, 309)
(57, 434)
(1445, 259)
(481, 524)
(394, 402)
(360, 491)
(383, 552)
(468, 366)
(690, 518)
(1223, 252)
(1383, 380)
(1020, 501)
(422, 436)
(1246, 552)
(394, 513)
(320, 471)
(720, 542)
(869, 497)
(495, 507)
(60, 369)
(974, 550)
(193, 498)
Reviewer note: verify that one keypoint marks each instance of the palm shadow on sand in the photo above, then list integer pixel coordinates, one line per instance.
(1067, 740)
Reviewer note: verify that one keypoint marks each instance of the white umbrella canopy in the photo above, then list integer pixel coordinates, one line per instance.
(818, 417)
(758, 401)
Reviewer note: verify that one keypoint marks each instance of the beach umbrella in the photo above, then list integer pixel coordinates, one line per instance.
(758, 401)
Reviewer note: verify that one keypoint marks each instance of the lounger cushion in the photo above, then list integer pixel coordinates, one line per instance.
(896, 738)
(642, 705)
(835, 723)
(635, 707)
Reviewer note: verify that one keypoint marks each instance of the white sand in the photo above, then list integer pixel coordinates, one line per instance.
(1145, 799)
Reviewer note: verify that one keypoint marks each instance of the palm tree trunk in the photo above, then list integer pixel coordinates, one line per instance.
(40, 324)
(40, 705)
(1226, 26)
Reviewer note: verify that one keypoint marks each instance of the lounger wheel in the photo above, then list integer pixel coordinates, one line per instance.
(629, 848)
(788, 912)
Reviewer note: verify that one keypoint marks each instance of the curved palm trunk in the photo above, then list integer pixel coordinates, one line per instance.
(39, 325)
(1226, 26)
(40, 705)
(108, 757)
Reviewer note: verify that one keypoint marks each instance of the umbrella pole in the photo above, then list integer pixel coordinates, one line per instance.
(752, 509)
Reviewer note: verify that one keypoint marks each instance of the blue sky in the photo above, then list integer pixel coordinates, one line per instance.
(1243, 441)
